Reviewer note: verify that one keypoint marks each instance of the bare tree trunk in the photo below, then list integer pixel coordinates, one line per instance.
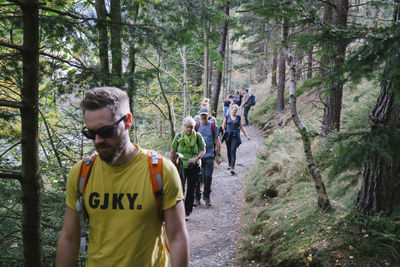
(116, 44)
(31, 195)
(182, 52)
(280, 99)
(274, 67)
(309, 64)
(322, 196)
(221, 52)
(380, 189)
(333, 104)
(265, 60)
(103, 41)
(206, 67)
(132, 56)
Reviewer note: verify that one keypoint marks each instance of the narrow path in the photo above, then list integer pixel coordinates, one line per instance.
(213, 229)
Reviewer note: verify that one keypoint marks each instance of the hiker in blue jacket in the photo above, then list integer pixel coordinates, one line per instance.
(232, 125)
(210, 132)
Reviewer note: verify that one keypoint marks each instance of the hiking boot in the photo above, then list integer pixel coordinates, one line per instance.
(208, 202)
(233, 172)
(195, 203)
(187, 217)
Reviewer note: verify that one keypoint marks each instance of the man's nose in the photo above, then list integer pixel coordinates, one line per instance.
(98, 139)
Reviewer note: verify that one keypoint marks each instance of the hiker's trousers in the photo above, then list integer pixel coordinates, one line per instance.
(192, 175)
(231, 146)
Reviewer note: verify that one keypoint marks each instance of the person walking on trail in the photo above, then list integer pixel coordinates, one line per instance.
(227, 104)
(210, 133)
(205, 104)
(232, 125)
(237, 98)
(246, 106)
(124, 220)
(191, 145)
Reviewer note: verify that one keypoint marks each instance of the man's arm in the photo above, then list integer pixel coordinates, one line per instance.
(69, 239)
(218, 148)
(177, 234)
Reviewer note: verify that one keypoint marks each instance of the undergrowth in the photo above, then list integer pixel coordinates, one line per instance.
(283, 225)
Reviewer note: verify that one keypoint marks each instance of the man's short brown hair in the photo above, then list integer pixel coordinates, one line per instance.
(111, 97)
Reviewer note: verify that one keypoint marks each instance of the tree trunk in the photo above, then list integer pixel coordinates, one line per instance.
(116, 45)
(309, 64)
(103, 41)
(221, 51)
(132, 57)
(265, 61)
(206, 67)
(30, 182)
(185, 96)
(280, 99)
(322, 196)
(274, 66)
(333, 104)
(380, 189)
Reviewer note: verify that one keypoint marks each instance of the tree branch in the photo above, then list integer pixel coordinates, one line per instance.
(13, 46)
(10, 174)
(10, 104)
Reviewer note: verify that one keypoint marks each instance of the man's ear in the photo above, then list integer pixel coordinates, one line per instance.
(128, 121)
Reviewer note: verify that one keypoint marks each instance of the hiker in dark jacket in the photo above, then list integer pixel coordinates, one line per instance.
(232, 125)
(210, 132)
(246, 107)
(191, 145)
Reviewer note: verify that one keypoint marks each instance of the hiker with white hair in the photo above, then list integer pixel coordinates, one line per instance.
(191, 145)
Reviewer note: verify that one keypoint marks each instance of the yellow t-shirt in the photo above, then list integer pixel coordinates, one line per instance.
(125, 228)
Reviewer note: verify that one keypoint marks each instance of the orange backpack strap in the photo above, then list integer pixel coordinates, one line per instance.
(156, 177)
(83, 178)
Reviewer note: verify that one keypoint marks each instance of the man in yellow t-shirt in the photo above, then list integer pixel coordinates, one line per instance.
(125, 228)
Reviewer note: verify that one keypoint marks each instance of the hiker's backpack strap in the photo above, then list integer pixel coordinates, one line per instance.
(84, 173)
(196, 127)
(156, 177)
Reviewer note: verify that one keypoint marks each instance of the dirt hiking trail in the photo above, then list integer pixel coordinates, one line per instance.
(213, 230)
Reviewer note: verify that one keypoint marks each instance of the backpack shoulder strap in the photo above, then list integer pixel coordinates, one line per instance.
(213, 128)
(84, 173)
(156, 176)
(196, 127)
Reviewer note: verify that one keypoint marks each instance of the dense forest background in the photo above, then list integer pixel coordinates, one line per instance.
(168, 56)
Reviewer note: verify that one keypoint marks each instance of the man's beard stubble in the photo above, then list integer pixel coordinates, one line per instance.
(114, 153)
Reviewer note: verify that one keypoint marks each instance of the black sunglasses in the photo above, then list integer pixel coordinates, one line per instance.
(104, 132)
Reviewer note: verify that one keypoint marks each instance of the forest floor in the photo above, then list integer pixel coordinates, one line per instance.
(213, 230)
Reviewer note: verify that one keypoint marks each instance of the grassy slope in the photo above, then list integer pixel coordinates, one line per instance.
(283, 226)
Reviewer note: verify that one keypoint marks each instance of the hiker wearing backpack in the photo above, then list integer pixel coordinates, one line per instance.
(191, 145)
(205, 104)
(232, 125)
(246, 105)
(126, 195)
(210, 133)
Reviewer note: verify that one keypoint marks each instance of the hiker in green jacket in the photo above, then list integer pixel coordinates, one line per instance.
(191, 145)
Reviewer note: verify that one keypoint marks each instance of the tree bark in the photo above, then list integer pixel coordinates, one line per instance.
(132, 56)
(30, 182)
(333, 104)
(116, 44)
(101, 13)
(206, 67)
(322, 196)
(274, 66)
(380, 189)
(221, 51)
(280, 98)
